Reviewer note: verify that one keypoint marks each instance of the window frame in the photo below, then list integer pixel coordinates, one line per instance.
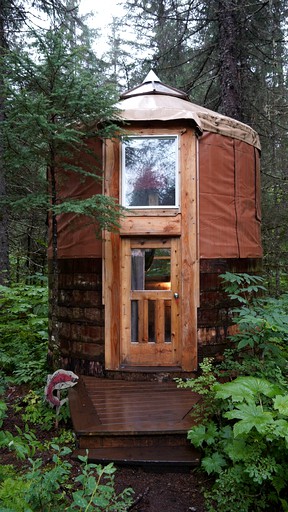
(176, 205)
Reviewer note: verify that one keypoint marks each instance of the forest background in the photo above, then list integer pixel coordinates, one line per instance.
(57, 87)
(228, 55)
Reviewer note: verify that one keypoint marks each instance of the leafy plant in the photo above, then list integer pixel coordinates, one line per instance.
(47, 488)
(25, 444)
(243, 430)
(248, 448)
(24, 333)
(97, 492)
(7, 471)
(37, 411)
(203, 385)
(12, 491)
(262, 321)
(3, 409)
(64, 438)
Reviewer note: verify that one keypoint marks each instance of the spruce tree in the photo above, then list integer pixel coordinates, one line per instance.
(17, 18)
(56, 99)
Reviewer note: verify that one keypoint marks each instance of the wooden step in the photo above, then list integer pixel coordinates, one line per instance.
(133, 422)
(172, 456)
(100, 405)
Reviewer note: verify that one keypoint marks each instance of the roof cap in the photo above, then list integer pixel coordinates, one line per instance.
(151, 77)
(154, 101)
(153, 85)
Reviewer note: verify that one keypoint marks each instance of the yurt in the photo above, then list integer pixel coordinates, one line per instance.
(147, 298)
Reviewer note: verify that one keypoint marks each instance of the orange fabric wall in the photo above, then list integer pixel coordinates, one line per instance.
(77, 234)
(229, 214)
(229, 202)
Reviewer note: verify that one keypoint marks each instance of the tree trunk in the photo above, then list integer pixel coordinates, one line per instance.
(4, 253)
(230, 83)
(54, 357)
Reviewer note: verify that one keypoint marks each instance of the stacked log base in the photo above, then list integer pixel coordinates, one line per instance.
(81, 312)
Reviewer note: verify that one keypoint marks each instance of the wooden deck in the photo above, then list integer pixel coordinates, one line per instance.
(133, 422)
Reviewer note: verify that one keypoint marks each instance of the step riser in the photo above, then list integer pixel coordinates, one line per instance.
(158, 457)
(129, 441)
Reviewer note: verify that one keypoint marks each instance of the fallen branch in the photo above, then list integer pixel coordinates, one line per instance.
(139, 498)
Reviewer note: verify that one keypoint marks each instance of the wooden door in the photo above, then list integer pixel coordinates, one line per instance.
(151, 299)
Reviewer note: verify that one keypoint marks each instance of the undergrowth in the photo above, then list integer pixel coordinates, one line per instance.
(24, 332)
(241, 424)
(49, 488)
(39, 486)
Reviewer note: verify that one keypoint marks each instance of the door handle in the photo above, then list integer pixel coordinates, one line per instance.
(176, 295)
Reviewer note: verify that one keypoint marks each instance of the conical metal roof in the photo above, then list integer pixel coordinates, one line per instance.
(154, 101)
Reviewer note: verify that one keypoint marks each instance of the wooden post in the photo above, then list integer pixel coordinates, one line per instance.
(190, 267)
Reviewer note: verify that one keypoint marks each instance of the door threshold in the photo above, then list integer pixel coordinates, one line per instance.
(150, 369)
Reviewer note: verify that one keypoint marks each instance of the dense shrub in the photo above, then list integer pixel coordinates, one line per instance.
(242, 424)
(48, 488)
(24, 332)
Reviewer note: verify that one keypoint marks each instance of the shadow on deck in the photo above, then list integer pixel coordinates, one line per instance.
(133, 422)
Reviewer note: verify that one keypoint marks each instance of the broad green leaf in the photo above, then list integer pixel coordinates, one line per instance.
(245, 342)
(100, 501)
(109, 469)
(211, 433)
(83, 458)
(281, 404)
(279, 429)
(91, 484)
(197, 435)
(237, 450)
(79, 500)
(65, 451)
(250, 416)
(226, 433)
(246, 388)
(213, 464)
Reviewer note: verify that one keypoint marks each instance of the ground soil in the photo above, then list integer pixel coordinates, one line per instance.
(154, 490)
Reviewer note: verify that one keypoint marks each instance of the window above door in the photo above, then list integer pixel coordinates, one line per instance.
(150, 172)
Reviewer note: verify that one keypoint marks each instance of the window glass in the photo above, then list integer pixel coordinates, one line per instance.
(151, 269)
(149, 172)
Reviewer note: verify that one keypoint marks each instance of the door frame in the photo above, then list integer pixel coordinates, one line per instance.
(181, 222)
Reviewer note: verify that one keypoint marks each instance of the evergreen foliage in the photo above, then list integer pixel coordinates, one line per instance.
(56, 100)
(17, 19)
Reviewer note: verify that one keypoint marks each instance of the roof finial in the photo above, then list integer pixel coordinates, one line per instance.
(151, 77)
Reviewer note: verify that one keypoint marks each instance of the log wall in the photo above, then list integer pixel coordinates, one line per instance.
(81, 315)
(214, 320)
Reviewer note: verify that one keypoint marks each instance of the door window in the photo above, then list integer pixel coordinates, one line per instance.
(151, 270)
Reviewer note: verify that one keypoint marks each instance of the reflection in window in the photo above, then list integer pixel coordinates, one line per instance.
(150, 171)
(151, 270)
